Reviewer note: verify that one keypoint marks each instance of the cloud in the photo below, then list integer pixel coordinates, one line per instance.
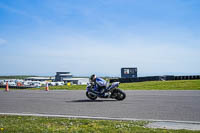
(2, 41)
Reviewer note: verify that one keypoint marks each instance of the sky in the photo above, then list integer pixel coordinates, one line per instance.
(42, 37)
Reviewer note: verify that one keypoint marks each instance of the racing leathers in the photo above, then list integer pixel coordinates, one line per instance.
(100, 85)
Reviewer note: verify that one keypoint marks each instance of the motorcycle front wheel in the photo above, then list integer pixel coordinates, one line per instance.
(91, 96)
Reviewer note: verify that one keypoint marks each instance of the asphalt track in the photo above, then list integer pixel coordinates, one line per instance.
(159, 105)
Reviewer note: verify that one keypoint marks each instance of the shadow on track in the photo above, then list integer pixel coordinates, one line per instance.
(87, 100)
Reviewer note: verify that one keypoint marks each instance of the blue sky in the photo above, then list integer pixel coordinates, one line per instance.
(41, 37)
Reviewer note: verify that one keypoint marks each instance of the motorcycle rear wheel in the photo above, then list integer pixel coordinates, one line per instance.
(90, 96)
(120, 95)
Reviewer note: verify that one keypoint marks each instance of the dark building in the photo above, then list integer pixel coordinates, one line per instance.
(62, 75)
(129, 72)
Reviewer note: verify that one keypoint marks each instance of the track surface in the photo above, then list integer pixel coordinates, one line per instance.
(161, 105)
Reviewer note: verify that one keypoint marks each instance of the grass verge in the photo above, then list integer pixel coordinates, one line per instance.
(163, 85)
(149, 85)
(31, 124)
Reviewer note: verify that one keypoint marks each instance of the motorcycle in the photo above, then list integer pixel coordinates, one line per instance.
(110, 91)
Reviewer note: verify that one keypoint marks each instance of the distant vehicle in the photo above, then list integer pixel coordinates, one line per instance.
(52, 83)
(12, 84)
(36, 85)
(26, 83)
(112, 91)
(1, 82)
(60, 83)
(17, 80)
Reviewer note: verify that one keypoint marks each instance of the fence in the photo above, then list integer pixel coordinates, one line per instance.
(154, 78)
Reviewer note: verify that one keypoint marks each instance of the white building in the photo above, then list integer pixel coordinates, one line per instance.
(77, 81)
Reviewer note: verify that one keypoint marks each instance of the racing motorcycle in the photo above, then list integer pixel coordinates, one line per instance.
(110, 91)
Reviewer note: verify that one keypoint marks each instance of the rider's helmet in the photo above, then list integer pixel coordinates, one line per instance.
(92, 78)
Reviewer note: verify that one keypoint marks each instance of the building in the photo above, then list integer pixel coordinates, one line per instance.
(77, 81)
(129, 72)
(60, 76)
(66, 77)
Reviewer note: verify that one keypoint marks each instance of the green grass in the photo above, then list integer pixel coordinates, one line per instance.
(149, 85)
(163, 85)
(30, 124)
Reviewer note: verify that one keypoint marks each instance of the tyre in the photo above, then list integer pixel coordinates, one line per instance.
(120, 95)
(91, 96)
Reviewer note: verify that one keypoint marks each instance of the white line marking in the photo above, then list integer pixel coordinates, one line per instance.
(99, 118)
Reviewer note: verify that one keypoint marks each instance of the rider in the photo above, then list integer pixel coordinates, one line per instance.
(99, 83)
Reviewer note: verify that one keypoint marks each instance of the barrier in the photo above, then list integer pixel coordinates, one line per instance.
(154, 78)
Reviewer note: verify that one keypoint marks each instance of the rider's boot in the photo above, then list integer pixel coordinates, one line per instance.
(102, 91)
